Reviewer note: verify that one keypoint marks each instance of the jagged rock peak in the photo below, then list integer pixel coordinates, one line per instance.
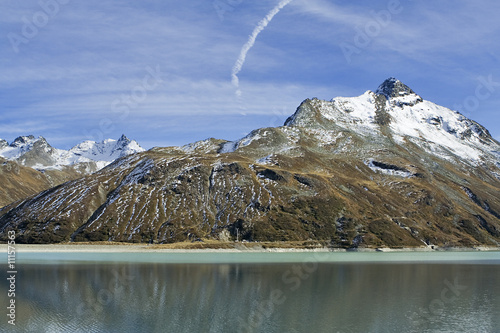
(22, 140)
(392, 87)
(124, 138)
(123, 142)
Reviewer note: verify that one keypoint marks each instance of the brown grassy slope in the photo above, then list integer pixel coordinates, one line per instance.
(19, 182)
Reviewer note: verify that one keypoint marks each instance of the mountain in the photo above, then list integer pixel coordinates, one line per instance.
(29, 165)
(37, 153)
(19, 182)
(386, 168)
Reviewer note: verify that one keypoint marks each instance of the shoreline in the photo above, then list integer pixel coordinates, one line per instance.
(148, 254)
(236, 248)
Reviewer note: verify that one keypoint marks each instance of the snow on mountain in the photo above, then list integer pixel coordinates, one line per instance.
(103, 152)
(393, 115)
(17, 148)
(39, 154)
(396, 111)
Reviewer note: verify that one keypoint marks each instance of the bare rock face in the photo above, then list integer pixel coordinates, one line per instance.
(386, 168)
(392, 87)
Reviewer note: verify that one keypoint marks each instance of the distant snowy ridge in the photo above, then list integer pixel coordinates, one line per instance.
(37, 153)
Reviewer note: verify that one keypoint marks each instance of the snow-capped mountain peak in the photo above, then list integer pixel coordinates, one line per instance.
(22, 145)
(105, 151)
(394, 112)
(39, 154)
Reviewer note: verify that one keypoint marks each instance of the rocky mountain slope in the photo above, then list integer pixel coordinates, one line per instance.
(29, 165)
(387, 168)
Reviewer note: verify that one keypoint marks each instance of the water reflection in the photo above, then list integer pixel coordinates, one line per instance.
(257, 298)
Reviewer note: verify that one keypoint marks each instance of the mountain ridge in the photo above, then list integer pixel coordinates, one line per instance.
(381, 169)
(37, 153)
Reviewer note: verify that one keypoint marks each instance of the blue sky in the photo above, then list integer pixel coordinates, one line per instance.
(160, 71)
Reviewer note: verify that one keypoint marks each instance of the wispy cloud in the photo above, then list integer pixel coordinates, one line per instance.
(65, 80)
(446, 30)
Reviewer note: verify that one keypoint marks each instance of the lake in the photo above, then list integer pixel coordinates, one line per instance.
(256, 292)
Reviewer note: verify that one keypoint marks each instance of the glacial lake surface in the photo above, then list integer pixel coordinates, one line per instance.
(255, 292)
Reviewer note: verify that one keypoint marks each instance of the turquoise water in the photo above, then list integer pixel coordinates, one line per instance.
(203, 257)
(256, 292)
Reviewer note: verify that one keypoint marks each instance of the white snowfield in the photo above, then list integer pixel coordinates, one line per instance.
(47, 157)
(411, 118)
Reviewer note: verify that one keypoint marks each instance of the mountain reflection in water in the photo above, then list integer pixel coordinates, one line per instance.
(324, 297)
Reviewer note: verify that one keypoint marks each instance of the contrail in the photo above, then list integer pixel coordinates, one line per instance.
(251, 41)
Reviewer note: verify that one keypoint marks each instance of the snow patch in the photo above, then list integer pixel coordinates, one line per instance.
(268, 160)
(388, 169)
